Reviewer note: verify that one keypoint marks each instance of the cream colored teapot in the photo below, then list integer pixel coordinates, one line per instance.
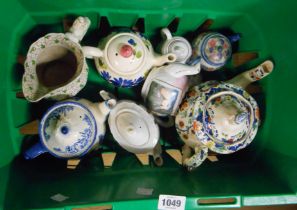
(126, 57)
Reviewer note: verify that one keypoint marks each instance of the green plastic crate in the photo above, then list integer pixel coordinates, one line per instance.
(265, 173)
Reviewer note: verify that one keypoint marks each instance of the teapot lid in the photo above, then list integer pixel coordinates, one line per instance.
(68, 129)
(133, 127)
(227, 117)
(216, 49)
(125, 53)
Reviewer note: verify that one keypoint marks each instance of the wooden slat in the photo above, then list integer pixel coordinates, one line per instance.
(205, 25)
(73, 163)
(108, 158)
(106, 207)
(143, 158)
(19, 94)
(30, 128)
(241, 58)
(175, 154)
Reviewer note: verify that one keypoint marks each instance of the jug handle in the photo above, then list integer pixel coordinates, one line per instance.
(35, 151)
(195, 160)
(166, 34)
(78, 29)
(252, 75)
(92, 52)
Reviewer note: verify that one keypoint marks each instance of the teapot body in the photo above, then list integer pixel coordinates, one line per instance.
(127, 57)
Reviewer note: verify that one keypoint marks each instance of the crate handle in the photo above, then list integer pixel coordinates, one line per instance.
(219, 202)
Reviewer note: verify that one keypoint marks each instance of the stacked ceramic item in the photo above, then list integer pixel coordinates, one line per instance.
(219, 116)
(214, 116)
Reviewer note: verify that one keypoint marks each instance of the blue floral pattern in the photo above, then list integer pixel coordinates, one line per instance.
(120, 82)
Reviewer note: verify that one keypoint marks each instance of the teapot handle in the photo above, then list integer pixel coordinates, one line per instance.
(252, 75)
(78, 29)
(195, 160)
(35, 151)
(166, 34)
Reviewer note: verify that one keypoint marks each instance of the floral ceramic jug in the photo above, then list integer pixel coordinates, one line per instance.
(219, 116)
(71, 128)
(213, 49)
(55, 66)
(165, 87)
(127, 57)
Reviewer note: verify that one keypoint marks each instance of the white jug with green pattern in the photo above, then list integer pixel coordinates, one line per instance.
(55, 65)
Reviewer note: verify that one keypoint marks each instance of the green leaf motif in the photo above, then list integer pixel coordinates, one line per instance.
(138, 54)
(31, 76)
(42, 46)
(33, 62)
(30, 88)
(56, 41)
(47, 36)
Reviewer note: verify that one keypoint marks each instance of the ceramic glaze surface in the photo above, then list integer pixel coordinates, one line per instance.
(133, 128)
(214, 49)
(53, 46)
(165, 87)
(176, 45)
(224, 123)
(127, 57)
(68, 130)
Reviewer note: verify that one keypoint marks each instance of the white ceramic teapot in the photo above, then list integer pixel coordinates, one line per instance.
(176, 45)
(126, 58)
(135, 130)
(219, 116)
(165, 87)
(71, 128)
(55, 65)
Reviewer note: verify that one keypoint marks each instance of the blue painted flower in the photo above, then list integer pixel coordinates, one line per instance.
(132, 42)
(105, 75)
(139, 80)
(127, 83)
(117, 81)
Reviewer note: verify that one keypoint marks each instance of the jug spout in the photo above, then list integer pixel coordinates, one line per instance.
(252, 75)
(179, 69)
(105, 107)
(78, 29)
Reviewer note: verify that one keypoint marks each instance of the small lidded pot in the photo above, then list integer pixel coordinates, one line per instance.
(127, 57)
(176, 45)
(213, 49)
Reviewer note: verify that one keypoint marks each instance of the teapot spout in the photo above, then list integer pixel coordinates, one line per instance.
(179, 70)
(105, 107)
(255, 74)
(159, 60)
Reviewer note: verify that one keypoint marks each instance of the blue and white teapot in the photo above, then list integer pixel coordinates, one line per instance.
(71, 128)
